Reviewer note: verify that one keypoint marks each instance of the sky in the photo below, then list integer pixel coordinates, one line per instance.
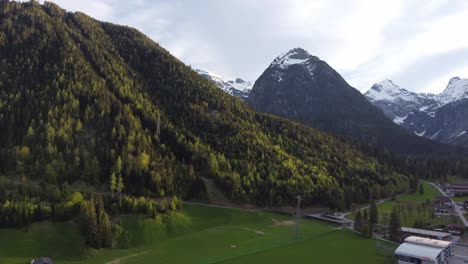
(419, 44)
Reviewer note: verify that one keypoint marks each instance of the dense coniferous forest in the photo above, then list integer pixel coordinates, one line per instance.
(84, 101)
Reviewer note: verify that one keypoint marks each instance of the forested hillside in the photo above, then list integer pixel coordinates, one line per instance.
(82, 100)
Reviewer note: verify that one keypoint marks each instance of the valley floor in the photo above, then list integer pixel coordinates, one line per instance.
(198, 234)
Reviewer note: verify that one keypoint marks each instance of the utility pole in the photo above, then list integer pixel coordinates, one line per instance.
(298, 215)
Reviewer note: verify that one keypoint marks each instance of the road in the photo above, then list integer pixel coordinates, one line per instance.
(460, 254)
(455, 206)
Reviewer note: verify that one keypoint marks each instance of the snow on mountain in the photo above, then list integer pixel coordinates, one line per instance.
(420, 134)
(399, 119)
(293, 57)
(387, 90)
(300, 86)
(396, 102)
(442, 117)
(216, 79)
(237, 87)
(456, 89)
(242, 85)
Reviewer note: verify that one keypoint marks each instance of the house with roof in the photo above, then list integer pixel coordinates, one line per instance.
(458, 189)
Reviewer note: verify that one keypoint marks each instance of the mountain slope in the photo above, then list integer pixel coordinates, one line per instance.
(81, 100)
(442, 117)
(238, 88)
(304, 88)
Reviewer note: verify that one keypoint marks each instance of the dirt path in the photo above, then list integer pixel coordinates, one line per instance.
(124, 258)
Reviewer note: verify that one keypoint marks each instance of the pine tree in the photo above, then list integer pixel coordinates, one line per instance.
(358, 222)
(421, 189)
(106, 229)
(395, 225)
(118, 166)
(365, 223)
(373, 214)
(89, 223)
(120, 188)
(113, 184)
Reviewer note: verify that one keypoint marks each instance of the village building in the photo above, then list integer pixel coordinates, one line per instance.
(458, 189)
(424, 250)
(408, 232)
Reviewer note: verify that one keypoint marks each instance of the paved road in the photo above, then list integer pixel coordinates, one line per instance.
(455, 206)
(460, 254)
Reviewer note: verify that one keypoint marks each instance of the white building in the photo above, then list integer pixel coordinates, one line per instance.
(424, 251)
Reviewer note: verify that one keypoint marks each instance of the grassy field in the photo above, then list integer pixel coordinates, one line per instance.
(198, 234)
(456, 179)
(460, 198)
(408, 218)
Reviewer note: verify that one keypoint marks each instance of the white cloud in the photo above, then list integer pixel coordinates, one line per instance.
(365, 40)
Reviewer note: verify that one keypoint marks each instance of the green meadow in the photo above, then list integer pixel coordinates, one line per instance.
(197, 234)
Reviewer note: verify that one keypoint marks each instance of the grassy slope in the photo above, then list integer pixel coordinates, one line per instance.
(58, 240)
(198, 235)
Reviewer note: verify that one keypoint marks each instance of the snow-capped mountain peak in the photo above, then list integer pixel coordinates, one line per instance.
(293, 57)
(387, 90)
(456, 89)
(238, 87)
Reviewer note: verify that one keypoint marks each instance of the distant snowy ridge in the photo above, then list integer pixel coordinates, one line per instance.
(386, 90)
(237, 87)
(442, 117)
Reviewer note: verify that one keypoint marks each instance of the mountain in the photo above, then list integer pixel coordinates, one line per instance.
(304, 88)
(83, 100)
(397, 102)
(442, 117)
(238, 87)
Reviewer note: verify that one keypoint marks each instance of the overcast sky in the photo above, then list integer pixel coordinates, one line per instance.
(419, 44)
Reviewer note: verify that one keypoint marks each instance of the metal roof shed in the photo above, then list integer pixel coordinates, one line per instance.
(428, 242)
(419, 251)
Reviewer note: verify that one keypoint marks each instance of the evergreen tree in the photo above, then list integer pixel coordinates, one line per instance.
(365, 216)
(365, 223)
(373, 213)
(395, 225)
(106, 229)
(89, 223)
(86, 123)
(113, 184)
(358, 222)
(120, 188)
(421, 189)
